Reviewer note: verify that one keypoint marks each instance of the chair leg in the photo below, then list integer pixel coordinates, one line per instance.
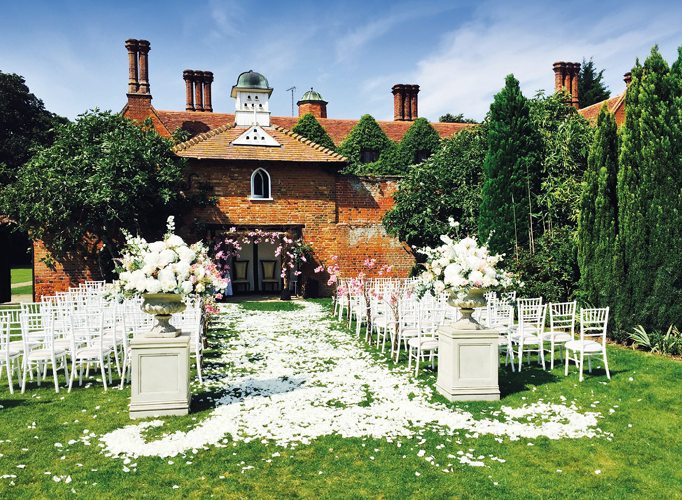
(606, 364)
(567, 358)
(198, 357)
(73, 373)
(582, 363)
(54, 374)
(9, 376)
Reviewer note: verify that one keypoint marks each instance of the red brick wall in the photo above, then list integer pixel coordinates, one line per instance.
(340, 215)
(70, 272)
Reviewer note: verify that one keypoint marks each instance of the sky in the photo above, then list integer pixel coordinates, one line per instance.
(72, 53)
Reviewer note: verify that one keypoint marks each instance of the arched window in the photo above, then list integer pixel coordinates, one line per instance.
(260, 185)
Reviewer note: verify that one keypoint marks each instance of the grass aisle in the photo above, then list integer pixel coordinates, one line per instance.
(283, 388)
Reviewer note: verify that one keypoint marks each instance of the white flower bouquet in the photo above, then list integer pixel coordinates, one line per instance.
(168, 266)
(459, 267)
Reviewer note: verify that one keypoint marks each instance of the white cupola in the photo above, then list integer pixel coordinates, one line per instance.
(252, 95)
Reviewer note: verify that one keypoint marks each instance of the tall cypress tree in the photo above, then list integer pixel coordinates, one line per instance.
(598, 225)
(650, 196)
(510, 171)
(591, 88)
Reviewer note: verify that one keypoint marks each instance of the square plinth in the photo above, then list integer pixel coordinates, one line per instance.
(468, 364)
(160, 376)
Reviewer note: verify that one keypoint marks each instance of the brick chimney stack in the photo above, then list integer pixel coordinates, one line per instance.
(627, 78)
(566, 80)
(405, 102)
(133, 83)
(208, 80)
(188, 76)
(198, 90)
(139, 97)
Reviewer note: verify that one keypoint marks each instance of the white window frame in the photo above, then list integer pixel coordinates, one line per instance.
(264, 173)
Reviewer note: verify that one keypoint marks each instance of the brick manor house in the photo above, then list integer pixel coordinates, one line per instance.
(267, 177)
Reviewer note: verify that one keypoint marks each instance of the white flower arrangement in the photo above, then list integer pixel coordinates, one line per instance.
(168, 266)
(459, 267)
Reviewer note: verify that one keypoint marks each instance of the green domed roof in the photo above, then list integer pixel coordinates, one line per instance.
(311, 95)
(250, 80)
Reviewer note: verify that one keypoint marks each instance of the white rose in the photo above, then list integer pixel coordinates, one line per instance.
(476, 277)
(436, 270)
(174, 241)
(157, 246)
(473, 263)
(125, 276)
(153, 286)
(186, 254)
(166, 257)
(427, 277)
(168, 285)
(166, 274)
(151, 259)
(187, 287)
(182, 270)
(199, 272)
(148, 269)
(200, 287)
(439, 286)
(452, 276)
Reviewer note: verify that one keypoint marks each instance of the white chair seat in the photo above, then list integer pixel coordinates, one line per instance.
(93, 352)
(527, 338)
(589, 345)
(12, 353)
(557, 336)
(425, 344)
(383, 321)
(19, 344)
(45, 353)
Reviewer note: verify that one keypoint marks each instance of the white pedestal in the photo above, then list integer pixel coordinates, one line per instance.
(467, 364)
(160, 376)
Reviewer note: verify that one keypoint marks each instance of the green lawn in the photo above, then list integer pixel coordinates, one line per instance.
(21, 275)
(23, 290)
(638, 453)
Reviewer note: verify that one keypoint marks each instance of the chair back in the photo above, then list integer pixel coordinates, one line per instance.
(508, 297)
(533, 301)
(13, 322)
(240, 269)
(562, 317)
(268, 267)
(501, 316)
(4, 334)
(593, 323)
(532, 318)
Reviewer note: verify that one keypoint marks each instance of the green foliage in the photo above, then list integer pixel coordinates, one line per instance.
(511, 171)
(450, 118)
(598, 224)
(448, 184)
(368, 136)
(565, 138)
(591, 88)
(24, 123)
(649, 260)
(310, 128)
(551, 271)
(421, 139)
(181, 135)
(102, 173)
(668, 343)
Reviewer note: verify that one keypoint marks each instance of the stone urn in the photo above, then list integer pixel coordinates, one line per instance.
(163, 306)
(466, 305)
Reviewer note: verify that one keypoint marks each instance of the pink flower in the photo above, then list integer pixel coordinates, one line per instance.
(319, 269)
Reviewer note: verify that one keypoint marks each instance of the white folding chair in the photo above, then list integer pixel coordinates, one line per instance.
(502, 319)
(528, 331)
(592, 343)
(562, 327)
(33, 326)
(9, 358)
(91, 326)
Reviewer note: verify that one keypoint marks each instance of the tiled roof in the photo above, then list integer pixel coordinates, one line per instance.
(217, 145)
(591, 113)
(198, 122)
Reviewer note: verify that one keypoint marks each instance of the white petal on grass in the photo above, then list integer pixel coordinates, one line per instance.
(311, 380)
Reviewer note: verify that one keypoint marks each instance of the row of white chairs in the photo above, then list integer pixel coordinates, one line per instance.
(412, 324)
(82, 326)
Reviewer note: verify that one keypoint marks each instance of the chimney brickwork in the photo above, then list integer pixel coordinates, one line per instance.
(198, 91)
(139, 96)
(405, 106)
(627, 78)
(566, 80)
(208, 80)
(188, 76)
(133, 83)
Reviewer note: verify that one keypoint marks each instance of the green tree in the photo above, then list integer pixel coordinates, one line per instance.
(565, 138)
(103, 173)
(510, 171)
(448, 184)
(24, 123)
(419, 142)
(591, 88)
(450, 118)
(310, 128)
(650, 198)
(598, 224)
(368, 148)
